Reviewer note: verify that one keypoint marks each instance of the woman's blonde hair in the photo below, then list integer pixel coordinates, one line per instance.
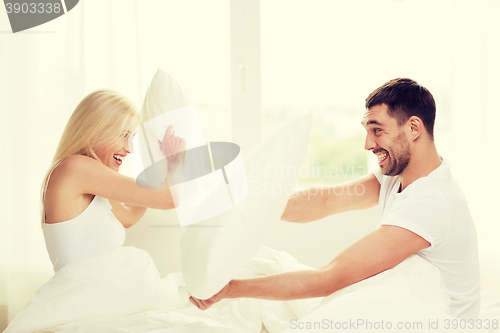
(97, 122)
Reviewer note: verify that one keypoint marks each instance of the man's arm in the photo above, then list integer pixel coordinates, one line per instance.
(380, 250)
(317, 203)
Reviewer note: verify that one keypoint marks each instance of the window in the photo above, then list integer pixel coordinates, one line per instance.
(190, 40)
(327, 56)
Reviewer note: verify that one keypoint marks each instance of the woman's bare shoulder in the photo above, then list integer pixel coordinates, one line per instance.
(71, 170)
(64, 198)
(75, 164)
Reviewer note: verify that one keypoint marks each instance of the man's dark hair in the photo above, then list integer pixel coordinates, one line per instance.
(405, 98)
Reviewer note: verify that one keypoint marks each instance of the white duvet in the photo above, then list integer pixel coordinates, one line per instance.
(123, 292)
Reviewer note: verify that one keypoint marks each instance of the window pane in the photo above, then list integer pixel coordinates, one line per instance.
(327, 56)
(190, 40)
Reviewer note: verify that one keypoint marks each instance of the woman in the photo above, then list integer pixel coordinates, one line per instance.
(86, 204)
(83, 180)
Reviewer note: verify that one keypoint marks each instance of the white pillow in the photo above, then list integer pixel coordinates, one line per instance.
(164, 105)
(215, 250)
(200, 191)
(163, 95)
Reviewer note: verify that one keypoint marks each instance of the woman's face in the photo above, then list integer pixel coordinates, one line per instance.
(114, 156)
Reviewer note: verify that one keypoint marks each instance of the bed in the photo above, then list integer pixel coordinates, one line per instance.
(123, 292)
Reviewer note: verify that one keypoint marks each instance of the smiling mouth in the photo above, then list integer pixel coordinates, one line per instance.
(382, 157)
(118, 159)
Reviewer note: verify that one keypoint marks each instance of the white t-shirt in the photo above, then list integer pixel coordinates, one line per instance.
(435, 208)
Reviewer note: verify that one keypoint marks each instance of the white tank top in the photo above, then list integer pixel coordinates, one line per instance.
(94, 231)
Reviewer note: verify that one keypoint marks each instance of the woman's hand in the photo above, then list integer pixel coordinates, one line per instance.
(205, 304)
(173, 148)
(173, 145)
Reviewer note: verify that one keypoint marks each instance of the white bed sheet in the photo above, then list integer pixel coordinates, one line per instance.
(122, 292)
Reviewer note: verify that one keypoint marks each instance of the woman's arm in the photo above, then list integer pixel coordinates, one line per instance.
(87, 175)
(128, 215)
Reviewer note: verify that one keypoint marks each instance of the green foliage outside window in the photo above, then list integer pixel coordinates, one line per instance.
(333, 160)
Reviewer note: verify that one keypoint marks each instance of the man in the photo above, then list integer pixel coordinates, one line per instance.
(422, 211)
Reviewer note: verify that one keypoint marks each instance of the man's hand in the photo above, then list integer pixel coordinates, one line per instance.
(205, 304)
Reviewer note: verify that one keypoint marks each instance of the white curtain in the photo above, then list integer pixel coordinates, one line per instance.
(475, 114)
(45, 72)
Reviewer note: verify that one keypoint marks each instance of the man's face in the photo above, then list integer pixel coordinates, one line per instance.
(386, 140)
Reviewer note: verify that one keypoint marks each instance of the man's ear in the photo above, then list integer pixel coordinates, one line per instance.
(414, 127)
